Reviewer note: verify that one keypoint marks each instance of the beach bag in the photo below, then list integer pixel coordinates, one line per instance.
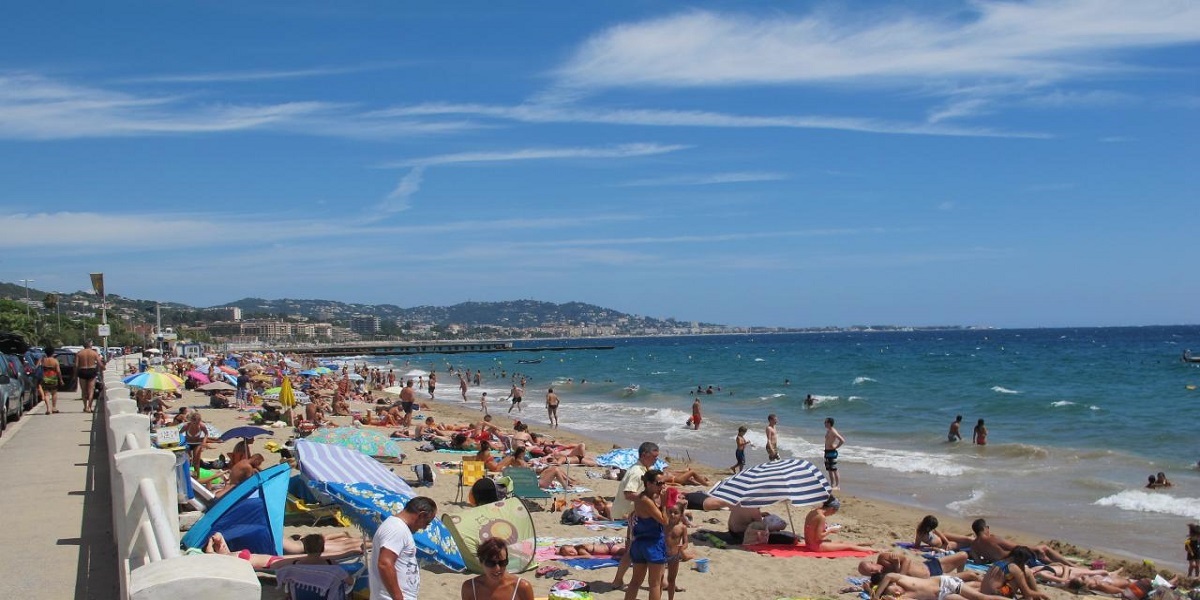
(49, 376)
(572, 516)
(424, 474)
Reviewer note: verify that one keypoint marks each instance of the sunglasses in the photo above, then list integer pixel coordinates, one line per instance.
(491, 564)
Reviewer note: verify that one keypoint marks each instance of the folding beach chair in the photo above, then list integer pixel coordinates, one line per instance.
(297, 508)
(470, 471)
(525, 484)
(314, 582)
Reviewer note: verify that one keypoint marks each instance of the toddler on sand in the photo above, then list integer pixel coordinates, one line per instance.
(677, 546)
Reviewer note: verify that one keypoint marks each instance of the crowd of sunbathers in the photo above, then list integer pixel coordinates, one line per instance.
(1010, 570)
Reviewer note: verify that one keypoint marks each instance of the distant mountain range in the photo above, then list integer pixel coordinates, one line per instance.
(512, 313)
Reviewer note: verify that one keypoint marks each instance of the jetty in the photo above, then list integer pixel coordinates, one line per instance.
(395, 348)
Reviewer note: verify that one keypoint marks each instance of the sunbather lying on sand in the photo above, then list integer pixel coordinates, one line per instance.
(893, 562)
(942, 587)
(586, 550)
(336, 542)
(1063, 574)
(987, 547)
(216, 545)
(1129, 589)
(686, 477)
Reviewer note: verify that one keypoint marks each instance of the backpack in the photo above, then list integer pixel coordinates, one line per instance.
(424, 474)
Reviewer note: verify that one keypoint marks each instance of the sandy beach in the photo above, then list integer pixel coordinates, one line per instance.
(865, 521)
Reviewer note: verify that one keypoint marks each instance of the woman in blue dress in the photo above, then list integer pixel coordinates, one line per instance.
(648, 551)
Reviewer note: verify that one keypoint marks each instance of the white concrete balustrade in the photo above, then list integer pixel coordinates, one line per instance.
(146, 516)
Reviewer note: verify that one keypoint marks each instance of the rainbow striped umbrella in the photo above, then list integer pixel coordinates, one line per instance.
(154, 380)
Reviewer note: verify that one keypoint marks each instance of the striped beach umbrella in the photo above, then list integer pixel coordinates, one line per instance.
(153, 380)
(792, 480)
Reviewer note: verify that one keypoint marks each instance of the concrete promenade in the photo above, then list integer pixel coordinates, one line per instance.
(56, 541)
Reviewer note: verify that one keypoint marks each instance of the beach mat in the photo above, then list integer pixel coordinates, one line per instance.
(589, 564)
(781, 551)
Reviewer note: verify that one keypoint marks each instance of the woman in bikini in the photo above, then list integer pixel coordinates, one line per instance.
(496, 583)
(1063, 574)
(928, 536)
(48, 384)
(1008, 577)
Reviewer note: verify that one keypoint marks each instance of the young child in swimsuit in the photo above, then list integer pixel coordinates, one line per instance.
(677, 546)
(1192, 546)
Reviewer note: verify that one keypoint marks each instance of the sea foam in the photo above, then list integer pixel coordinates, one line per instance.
(1141, 501)
(966, 505)
(1003, 390)
(862, 380)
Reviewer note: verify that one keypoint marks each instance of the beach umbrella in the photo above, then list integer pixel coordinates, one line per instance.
(623, 458)
(228, 369)
(216, 386)
(287, 397)
(311, 372)
(354, 377)
(154, 380)
(246, 432)
(369, 493)
(291, 363)
(252, 367)
(262, 377)
(198, 376)
(792, 480)
(371, 443)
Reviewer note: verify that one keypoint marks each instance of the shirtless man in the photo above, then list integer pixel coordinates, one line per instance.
(833, 441)
(408, 397)
(893, 562)
(815, 532)
(241, 471)
(988, 547)
(515, 394)
(955, 430)
(696, 413)
(87, 363)
(462, 386)
(772, 438)
(552, 407)
(942, 587)
(432, 383)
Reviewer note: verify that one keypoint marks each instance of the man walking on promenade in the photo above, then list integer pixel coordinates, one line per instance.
(628, 490)
(772, 438)
(392, 567)
(833, 441)
(87, 362)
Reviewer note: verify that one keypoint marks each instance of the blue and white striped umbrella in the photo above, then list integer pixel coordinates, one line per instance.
(792, 480)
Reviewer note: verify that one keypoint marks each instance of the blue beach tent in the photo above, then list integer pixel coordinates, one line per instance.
(250, 516)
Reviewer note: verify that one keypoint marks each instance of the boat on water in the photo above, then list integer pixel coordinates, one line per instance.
(1188, 358)
(529, 361)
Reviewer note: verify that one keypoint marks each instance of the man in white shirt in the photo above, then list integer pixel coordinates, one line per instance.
(628, 490)
(393, 569)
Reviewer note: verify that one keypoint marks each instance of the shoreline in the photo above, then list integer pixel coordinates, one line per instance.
(866, 520)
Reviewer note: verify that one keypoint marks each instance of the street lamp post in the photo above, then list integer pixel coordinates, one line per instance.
(26, 282)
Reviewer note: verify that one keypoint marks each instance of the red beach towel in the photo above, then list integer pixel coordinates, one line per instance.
(782, 551)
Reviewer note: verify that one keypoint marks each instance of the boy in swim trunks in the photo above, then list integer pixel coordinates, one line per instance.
(833, 441)
(677, 546)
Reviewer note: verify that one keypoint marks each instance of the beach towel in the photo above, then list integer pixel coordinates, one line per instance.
(589, 564)
(780, 551)
(574, 490)
(602, 525)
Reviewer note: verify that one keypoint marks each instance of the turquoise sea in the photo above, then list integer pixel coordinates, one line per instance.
(1077, 417)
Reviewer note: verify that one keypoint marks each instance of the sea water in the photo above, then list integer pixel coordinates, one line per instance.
(1077, 418)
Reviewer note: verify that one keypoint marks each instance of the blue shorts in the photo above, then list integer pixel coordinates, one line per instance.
(648, 551)
(831, 460)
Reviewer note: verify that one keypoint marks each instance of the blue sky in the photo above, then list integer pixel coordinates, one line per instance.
(799, 164)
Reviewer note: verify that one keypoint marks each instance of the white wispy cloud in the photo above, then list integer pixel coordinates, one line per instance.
(1042, 38)
(525, 154)
(35, 107)
(256, 74)
(400, 199)
(549, 113)
(706, 179)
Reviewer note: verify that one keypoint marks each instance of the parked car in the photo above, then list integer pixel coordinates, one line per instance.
(16, 383)
(68, 380)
